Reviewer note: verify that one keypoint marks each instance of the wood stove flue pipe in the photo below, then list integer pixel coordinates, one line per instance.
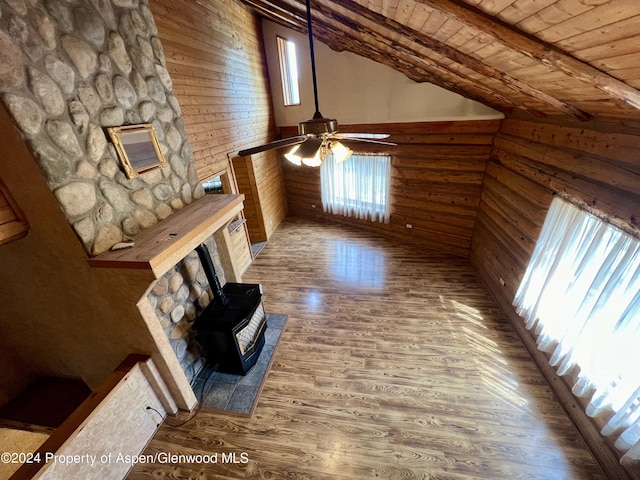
(210, 272)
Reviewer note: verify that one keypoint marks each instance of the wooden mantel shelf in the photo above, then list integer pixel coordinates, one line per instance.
(162, 246)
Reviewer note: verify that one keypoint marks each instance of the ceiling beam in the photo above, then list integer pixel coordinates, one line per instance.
(408, 60)
(488, 92)
(276, 13)
(392, 50)
(325, 31)
(536, 49)
(443, 50)
(342, 40)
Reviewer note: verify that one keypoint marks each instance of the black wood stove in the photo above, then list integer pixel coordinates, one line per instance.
(231, 328)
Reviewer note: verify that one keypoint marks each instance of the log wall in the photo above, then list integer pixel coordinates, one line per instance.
(530, 162)
(215, 57)
(594, 165)
(436, 181)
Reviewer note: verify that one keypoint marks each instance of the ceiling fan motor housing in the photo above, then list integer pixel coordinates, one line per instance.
(318, 126)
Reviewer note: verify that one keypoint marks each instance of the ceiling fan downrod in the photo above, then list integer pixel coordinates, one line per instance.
(313, 59)
(318, 125)
(317, 136)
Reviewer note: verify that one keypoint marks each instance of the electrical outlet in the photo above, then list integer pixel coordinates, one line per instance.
(132, 383)
(408, 225)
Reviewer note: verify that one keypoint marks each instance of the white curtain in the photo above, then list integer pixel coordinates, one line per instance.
(580, 295)
(358, 187)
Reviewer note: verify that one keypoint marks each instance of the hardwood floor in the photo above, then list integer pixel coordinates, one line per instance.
(396, 364)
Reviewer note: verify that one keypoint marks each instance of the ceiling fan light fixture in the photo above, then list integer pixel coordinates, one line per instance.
(308, 152)
(340, 152)
(292, 157)
(318, 125)
(315, 139)
(314, 161)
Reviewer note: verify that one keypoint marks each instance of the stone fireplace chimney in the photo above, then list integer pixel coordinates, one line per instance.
(67, 72)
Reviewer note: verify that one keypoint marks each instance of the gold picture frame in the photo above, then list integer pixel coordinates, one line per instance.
(137, 147)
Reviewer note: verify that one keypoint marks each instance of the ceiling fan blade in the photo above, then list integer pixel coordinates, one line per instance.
(285, 142)
(366, 140)
(374, 136)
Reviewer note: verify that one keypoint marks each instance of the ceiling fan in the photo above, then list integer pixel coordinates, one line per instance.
(318, 136)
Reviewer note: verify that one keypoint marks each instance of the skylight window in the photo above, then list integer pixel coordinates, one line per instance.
(288, 71)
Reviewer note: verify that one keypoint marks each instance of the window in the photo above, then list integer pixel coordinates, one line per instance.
(580, 295)
(358, 187)
(218, 183)
(213, 185)
(288, 71)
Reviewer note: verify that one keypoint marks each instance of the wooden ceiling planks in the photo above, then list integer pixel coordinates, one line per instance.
(493, 7)
(631, 75)
(607, 35)
(520, 10)
(626, 46)
(556, 14)
(549, 57)
(590, 20)
(404, 11)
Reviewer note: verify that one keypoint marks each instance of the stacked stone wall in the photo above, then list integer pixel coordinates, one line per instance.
(179, 297)
(68, 70)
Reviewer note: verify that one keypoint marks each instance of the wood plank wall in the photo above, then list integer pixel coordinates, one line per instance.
(436, 181)
(593, 164)
(260, 178)
(214, 52)
(241, 249)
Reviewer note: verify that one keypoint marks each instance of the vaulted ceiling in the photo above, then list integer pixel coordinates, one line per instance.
(579, 58)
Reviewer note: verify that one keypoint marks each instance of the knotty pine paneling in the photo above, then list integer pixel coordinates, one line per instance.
(241, 248)
(593, 165)
(260, 178)
(251, 204)
(436, 181)
(214, 54)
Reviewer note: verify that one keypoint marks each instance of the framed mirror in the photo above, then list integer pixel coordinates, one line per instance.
(137, 147)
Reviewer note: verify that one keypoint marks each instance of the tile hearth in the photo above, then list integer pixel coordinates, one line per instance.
(238, 393)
